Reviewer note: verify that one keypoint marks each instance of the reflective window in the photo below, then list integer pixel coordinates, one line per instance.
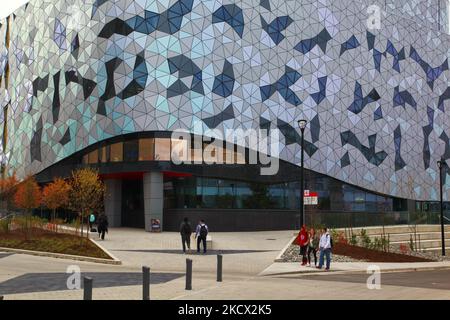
(93, 157)
(104, 154)
(197, 154)
(228, 155)
(213, 153)
(240, 157)
(146, 149)
(130, 150)
(116, 152)
(180, 150)
(162, 149)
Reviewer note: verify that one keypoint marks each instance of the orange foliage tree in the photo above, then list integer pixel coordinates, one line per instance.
(56, 195)
(87, 191)
(8, 187)
(28, 197)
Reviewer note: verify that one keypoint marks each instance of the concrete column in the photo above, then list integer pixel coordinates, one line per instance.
(153, 198)
(113, 202)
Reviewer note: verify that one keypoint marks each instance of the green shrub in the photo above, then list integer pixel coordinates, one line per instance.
(354, 240)
(385, 243)
(334, 235)
(21, 223)
(36, 222)
(4, 225)
(377, 244)
(365, 239)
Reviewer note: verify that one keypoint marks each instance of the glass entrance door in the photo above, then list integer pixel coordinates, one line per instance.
(133, 204)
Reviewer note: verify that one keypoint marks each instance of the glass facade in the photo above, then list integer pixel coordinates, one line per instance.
(116, 154)
(146, 149)
(202, 192)
(160, 149)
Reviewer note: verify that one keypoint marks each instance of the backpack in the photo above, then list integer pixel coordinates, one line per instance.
(203, 231)
(186, 228)
(331, 241)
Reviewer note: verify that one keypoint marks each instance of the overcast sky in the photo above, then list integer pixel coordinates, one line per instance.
(8, 6)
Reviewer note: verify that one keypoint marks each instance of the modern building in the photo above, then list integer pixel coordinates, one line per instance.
(104, 84)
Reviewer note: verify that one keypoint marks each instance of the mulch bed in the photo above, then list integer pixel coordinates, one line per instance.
(47, 241)
(361, 253)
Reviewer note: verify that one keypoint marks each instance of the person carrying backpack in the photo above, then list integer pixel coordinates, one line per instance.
(201, 232)
(325, 245)
(91, 222)
(185, 232)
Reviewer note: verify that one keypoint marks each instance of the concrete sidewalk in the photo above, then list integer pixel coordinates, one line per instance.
(280, 268)
(245, 253)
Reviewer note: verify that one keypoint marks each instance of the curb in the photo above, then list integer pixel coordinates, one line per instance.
(107, 252)
(114, 260)
(410, 269)
(278, 258)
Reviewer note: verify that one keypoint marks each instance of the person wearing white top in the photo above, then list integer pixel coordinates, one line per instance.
(325, 249)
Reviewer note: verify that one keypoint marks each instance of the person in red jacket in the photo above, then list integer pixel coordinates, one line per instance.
(302, 241)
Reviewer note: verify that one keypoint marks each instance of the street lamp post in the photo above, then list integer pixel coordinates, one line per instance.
(302, 124)
(441, 164)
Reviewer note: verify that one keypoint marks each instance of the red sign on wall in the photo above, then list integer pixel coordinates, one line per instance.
(310, 198)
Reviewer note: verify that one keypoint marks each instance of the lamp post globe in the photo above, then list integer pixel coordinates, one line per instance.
(302, 124)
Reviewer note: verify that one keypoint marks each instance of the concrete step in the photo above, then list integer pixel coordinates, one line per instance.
(406, 236)
(398, 229)
(423, 244)
(439, 249)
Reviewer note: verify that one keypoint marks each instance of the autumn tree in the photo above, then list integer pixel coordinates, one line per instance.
(8, 187)
(86, 194)
(56, 195)
(28, 197)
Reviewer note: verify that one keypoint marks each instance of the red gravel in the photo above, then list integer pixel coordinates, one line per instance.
(370, 255)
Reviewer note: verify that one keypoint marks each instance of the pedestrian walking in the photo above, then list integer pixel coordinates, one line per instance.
(302, 241)
(185, 232)
(102, 226)
(313, 246)
(201, 232)
(91, 221)
(325, 245)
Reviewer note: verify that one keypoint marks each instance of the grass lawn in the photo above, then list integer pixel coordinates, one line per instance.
(41, 240)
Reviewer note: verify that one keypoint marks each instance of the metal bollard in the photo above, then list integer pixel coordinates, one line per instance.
(145, 283)
(219, 268)
(87, 283)
(188, 274)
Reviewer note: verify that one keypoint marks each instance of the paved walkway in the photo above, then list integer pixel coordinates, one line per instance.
(245, 256)
(244, 253)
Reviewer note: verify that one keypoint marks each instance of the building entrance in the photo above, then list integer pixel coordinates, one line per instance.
(132, 204)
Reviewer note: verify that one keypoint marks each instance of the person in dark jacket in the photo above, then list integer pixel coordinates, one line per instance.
(102, 226)
(201, 233)
(185, 232)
